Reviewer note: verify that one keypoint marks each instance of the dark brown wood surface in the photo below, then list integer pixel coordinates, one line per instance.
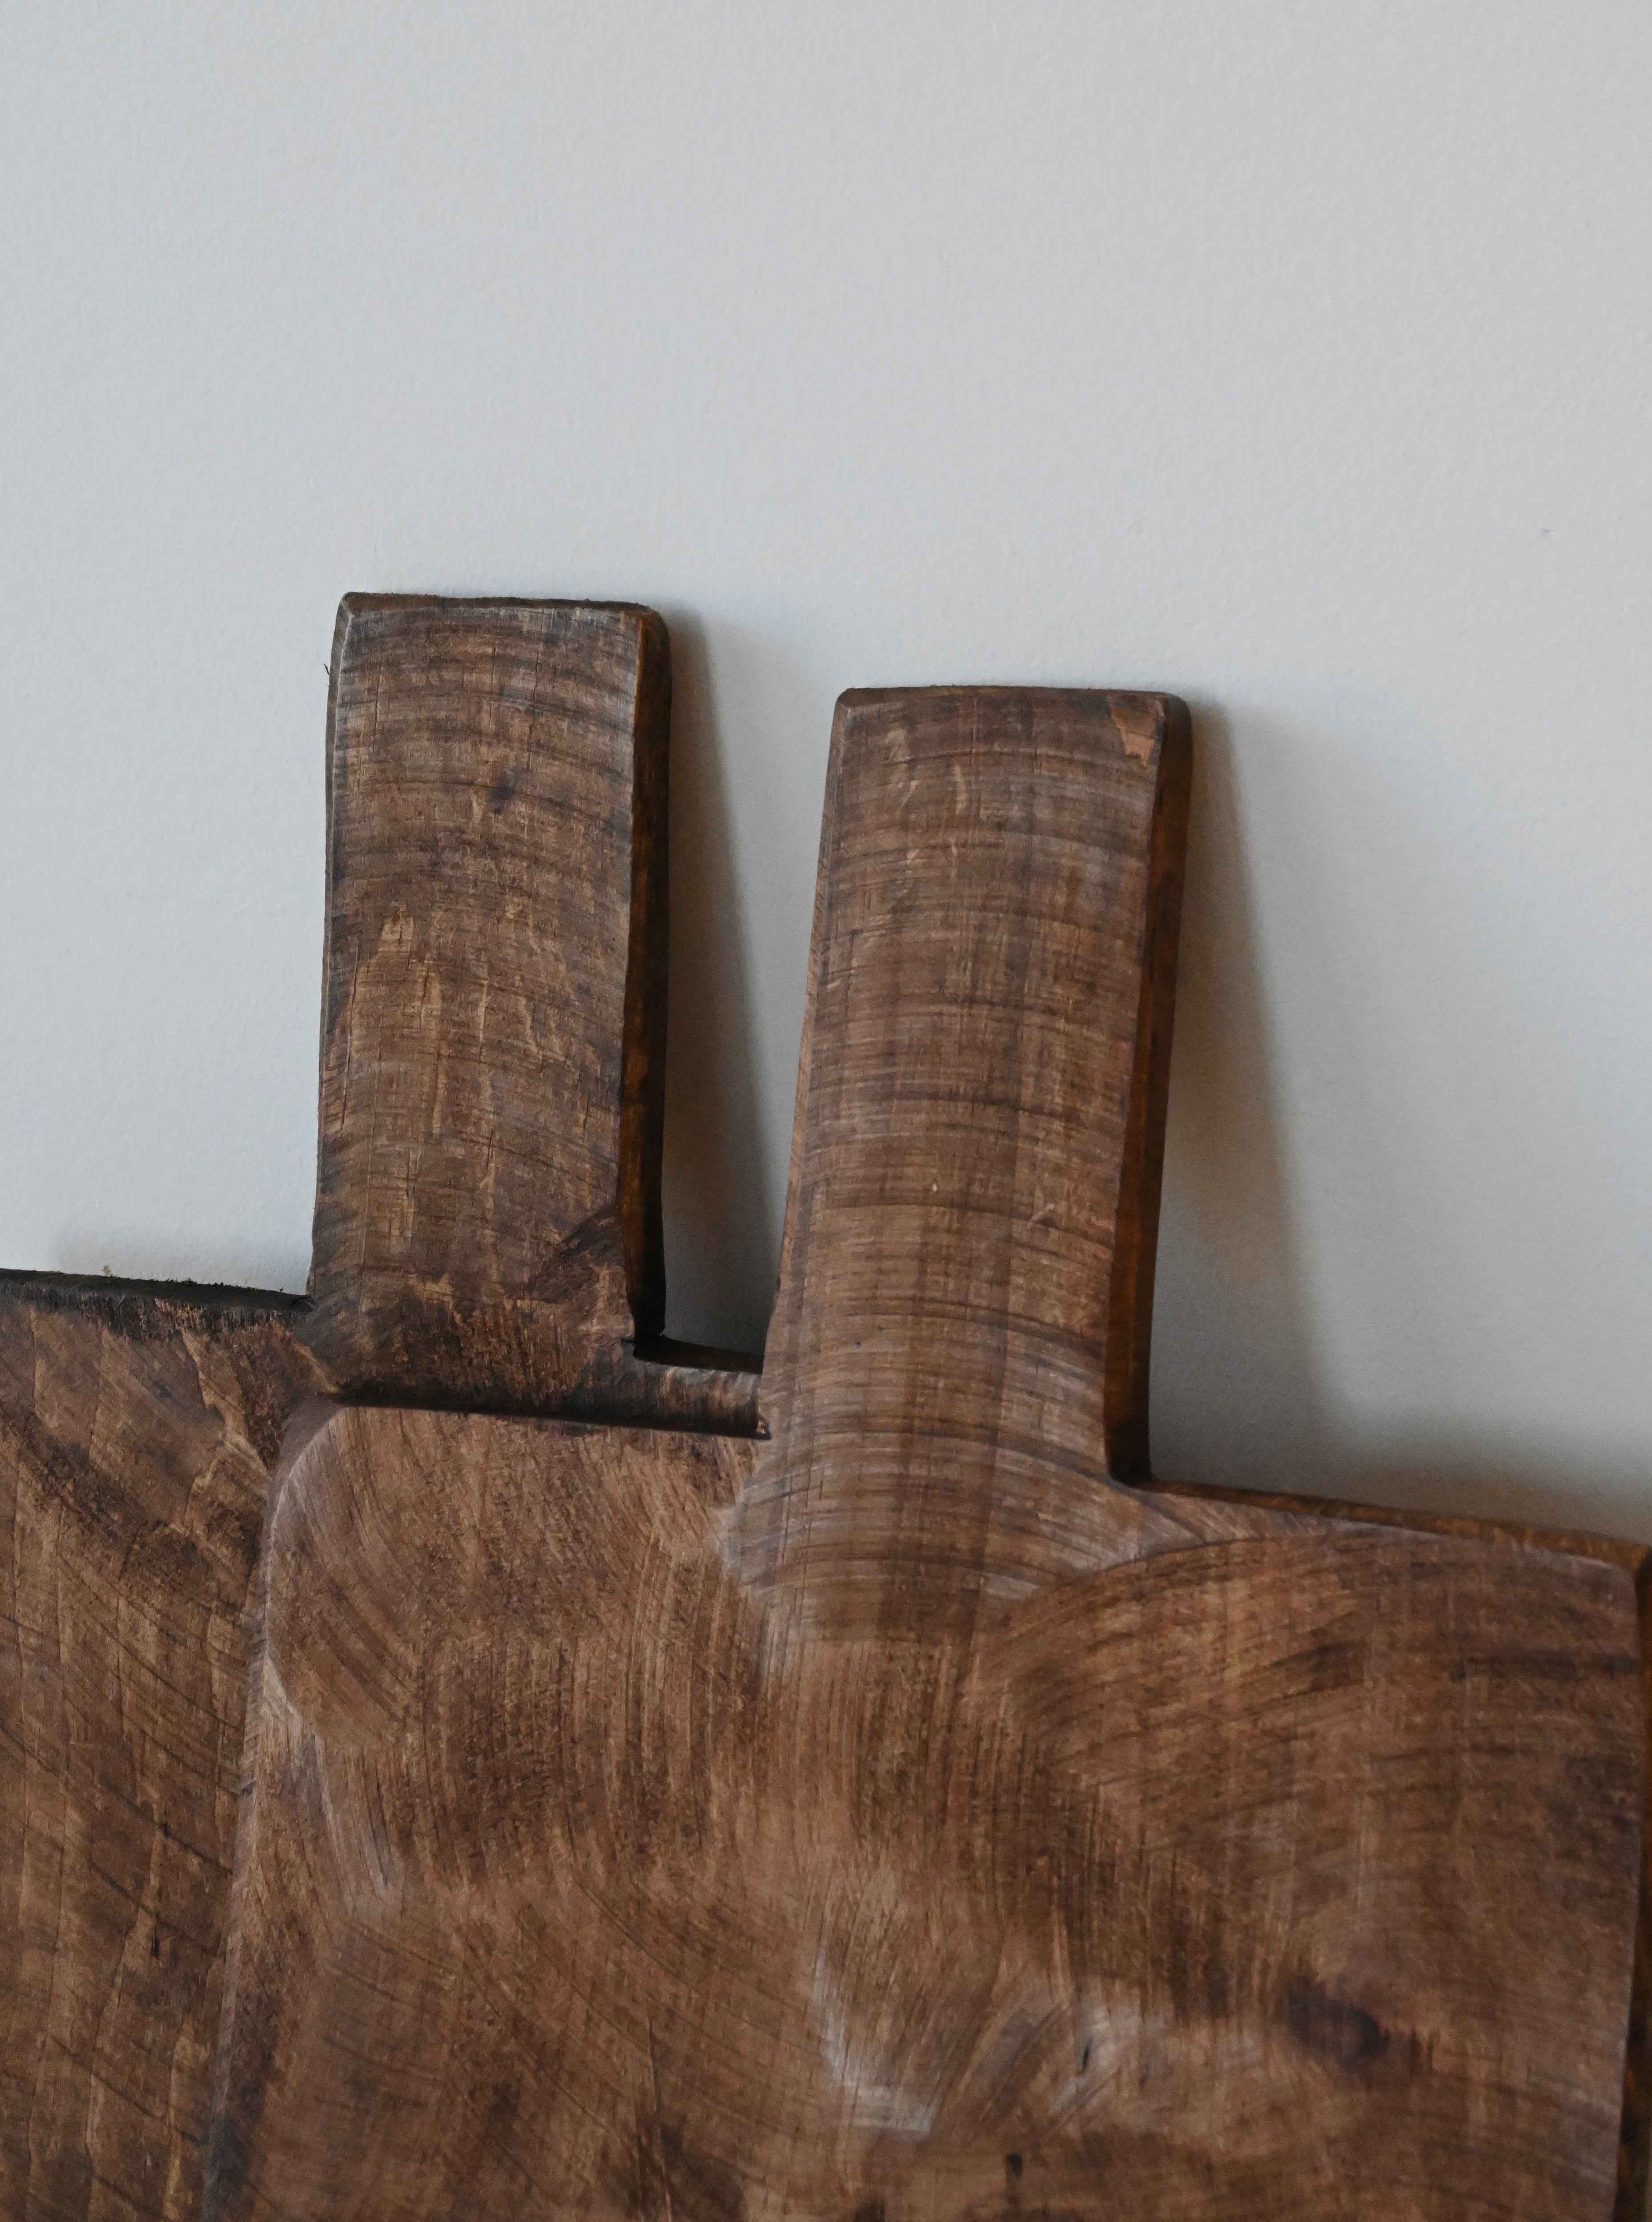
(1635, 1561)
(888, 1819)
(137, 1431)
(487, 1202)
(960, 1341)
(1292, 1876)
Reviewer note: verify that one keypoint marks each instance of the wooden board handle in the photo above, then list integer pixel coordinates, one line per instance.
(966, 1285)
(487, 1208)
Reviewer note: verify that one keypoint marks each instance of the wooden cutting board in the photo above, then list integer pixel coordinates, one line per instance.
(853, 1795)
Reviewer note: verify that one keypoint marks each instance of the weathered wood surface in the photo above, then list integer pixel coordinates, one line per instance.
(1635, 1561)
(472, 1116)
(1289, 1876)
(960, 1339)
(137, 1431)
(487, 1204)
(885, 1820)
(488, 1194)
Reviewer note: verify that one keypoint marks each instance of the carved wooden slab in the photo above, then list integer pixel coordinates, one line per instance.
(902, 1814)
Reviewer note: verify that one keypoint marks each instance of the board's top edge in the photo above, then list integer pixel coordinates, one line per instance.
(1633, 1557)
(370, 605)
(76, 1291)
(868, 698)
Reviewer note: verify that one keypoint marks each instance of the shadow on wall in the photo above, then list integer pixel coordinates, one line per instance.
(1233, 1364)
(1240, 1393)
(720, 1240)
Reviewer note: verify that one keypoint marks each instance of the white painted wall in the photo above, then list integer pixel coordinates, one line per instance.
(1295, 357)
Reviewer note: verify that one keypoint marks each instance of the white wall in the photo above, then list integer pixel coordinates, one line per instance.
(1294, 357)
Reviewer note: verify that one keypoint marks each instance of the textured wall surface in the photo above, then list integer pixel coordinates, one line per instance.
(1292, 358)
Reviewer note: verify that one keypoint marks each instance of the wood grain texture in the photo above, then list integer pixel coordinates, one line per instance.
(487, 1211)
(137, 1430)
(903, 1816)
(1290, 1876)
(1635, 1560)
(960, 1343)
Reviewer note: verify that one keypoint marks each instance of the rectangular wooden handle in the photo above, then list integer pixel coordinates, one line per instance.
(487, 1208)
(960, 1340)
